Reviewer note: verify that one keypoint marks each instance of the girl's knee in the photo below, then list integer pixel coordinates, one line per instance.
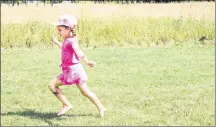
(54, 89)
(53, 84)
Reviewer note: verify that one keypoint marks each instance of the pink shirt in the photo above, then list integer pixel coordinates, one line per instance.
(68, 56)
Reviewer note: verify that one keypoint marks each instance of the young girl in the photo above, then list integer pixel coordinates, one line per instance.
(72, 70)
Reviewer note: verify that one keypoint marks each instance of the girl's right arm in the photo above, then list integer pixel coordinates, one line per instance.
(55, 41)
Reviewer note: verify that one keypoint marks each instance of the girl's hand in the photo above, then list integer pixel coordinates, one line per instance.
(54, 40)
(91, 63)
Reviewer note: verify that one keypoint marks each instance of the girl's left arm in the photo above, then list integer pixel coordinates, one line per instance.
(81, 55)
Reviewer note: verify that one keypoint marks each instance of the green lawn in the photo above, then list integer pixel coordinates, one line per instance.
(139, 86)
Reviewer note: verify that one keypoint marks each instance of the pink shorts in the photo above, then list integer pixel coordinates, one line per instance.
(74, 74)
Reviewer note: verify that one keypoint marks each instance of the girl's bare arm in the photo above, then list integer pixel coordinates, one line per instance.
(82, 55)
(55, 41)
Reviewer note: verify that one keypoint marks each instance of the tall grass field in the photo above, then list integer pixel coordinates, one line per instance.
(111, 24)
(151, 69)
(117, 32)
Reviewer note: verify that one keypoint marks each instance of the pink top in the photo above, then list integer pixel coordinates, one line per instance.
(68, 56)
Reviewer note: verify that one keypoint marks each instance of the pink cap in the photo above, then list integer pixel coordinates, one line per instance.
(66, 20)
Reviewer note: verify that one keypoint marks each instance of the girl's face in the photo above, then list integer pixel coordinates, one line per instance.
(63, 31)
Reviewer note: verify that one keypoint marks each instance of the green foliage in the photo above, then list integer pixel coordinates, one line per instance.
(113, 32)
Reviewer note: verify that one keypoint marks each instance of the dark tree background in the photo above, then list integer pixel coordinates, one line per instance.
(51, 2)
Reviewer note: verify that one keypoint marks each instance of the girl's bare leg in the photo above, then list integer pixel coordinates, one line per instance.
(92, 97)
(54, 88)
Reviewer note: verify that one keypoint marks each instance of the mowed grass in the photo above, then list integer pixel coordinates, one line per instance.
(139, 86)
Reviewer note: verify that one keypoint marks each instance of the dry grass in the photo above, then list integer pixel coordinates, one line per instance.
(103, 24)
(22, 13)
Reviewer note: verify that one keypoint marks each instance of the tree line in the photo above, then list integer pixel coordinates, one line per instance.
(52, 2)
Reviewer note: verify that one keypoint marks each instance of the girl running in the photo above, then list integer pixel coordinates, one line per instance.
(72, 70)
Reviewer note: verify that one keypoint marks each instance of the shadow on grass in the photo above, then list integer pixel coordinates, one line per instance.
(41, 116)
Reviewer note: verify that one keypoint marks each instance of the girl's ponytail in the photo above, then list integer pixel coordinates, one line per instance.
(72, 31)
